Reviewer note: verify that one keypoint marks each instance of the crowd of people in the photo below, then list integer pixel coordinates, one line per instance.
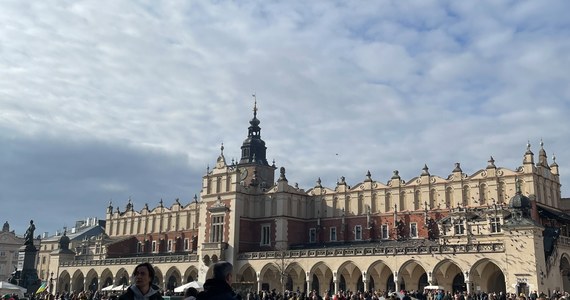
(219, 287)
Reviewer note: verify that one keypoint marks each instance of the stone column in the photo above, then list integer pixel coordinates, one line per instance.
(258, 275)
(468, 284)
(365, 281)
(85, 284)
(308, 283)
(396, 282)
(101, 282)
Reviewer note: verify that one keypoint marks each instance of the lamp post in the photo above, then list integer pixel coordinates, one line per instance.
(51, 283)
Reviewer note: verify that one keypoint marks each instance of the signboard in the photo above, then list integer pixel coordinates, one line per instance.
(21, 256)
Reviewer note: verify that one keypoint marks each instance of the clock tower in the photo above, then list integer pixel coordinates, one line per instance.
(253, 167)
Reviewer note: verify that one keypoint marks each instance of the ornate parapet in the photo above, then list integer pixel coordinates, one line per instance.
(132, 260)
(374, 251)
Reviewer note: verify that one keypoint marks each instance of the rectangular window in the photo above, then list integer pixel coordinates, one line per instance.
(495, 225)
(139, 247)
(265, 235)
(216, 236)
(333, 234)
(153, 246)
(169, 246)
(385, 232)
(413, 230)
(186, 244)
(358, 232)
(459, 228)
(312, 235)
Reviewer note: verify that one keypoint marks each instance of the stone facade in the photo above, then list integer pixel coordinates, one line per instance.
(494, 230)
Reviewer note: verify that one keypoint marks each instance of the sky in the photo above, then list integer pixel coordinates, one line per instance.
(109, 100)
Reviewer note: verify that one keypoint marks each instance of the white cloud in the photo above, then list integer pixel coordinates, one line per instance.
(385, 85)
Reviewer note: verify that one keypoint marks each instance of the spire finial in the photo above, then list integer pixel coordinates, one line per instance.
(528, 145)
(222, 148)
(541, 143)
(553, 157)
(254, 105)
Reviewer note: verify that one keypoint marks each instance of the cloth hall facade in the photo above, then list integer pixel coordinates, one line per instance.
(494, 230)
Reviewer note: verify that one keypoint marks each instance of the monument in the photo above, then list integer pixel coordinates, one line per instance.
(26, 273)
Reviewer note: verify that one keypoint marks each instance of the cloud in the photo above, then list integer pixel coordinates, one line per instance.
(114, 99)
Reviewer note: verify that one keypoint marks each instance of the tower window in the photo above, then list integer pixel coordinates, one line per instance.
(312, 235)
(333, 234)
(385, 232)
(217, 232)
(413, 230)
(265, 235)
(358, 232)
(495, 225)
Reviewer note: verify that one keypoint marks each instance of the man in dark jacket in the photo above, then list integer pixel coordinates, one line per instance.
(220, 286)
(143, 289)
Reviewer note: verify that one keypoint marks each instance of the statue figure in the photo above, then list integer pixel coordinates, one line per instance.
(6, 227)
(29, 235)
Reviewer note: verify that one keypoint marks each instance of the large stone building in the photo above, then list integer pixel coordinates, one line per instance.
(493, 230)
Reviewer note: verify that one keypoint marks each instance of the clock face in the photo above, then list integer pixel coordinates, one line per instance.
(243, 174)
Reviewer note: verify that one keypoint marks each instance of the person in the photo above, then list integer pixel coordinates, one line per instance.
(220, 286)
(29, 235)
(191, 293)
(142, 289)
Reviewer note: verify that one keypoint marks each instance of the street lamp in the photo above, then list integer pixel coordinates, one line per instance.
(51, 283)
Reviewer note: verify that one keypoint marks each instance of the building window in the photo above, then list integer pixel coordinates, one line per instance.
(265, 235)
(169, 246)
(385, 232)
(153, 246)
(312, 235)
(216, 236)
(333, 234)
(413, 230)
(495, 225)
(459, 228)
(358, 232)
(139, 247)
(186, 244)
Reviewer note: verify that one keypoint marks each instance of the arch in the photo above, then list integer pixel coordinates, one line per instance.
(486, 274)
(246, 278)
(296, 274)
(320, 275)
(173, 278)
(271, 278)
(158, 278)
(380, 275)
(191, 274)
(444, 274)
(63, 281)
(350, 273)
(565, 271)
(409, 275)
(122, 277)
(77, 281)
(106, 278)
(92, 280)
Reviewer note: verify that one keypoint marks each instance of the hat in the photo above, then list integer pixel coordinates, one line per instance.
(7, 296)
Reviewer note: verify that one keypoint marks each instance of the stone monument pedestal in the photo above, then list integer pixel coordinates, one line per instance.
(27, 267)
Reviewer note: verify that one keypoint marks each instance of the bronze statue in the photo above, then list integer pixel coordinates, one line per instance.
(29, 235)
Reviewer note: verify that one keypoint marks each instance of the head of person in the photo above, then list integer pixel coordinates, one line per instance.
(223, 271)
(191, 292)
(144, 276)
